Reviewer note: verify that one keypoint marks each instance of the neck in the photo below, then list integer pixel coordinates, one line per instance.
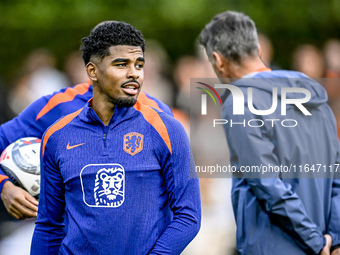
(246, 67)
(103, 108)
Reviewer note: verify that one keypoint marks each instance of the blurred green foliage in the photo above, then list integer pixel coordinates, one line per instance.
(60, 24)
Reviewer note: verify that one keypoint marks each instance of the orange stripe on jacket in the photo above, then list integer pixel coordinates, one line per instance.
(68, 95)
(59, 125)
(143, 98)
(151, 116)
(3, 177)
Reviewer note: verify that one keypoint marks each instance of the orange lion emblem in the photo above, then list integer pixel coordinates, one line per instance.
(133, 143)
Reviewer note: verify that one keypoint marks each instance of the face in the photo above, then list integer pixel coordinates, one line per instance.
(118, 77)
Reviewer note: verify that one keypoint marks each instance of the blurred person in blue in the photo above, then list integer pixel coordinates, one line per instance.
(278, 212)
(119, 170)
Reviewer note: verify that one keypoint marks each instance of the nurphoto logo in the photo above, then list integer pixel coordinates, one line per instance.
(240, 100)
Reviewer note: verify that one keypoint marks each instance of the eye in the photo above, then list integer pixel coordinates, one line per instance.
(140, 66)
(121, 64)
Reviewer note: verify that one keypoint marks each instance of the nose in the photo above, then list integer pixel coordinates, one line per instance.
(133, 73)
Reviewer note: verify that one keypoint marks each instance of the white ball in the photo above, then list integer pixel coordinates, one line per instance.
(21, 162)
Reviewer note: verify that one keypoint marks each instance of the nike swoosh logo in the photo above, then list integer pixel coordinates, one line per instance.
(73, 146)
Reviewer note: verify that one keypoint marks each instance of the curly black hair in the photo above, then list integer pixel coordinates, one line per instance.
(107, 34)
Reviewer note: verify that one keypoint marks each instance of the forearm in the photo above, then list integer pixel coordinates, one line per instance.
(184, 200)
(9, 133)
(288, 212)
(186, 206)
(250, 147)
(3, 145)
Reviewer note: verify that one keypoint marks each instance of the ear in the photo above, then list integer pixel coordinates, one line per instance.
(220, 63)
(91, 70)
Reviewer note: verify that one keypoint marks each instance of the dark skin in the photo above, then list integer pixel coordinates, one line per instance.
(118, 76)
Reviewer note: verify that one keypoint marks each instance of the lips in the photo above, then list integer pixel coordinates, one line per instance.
(131, 88)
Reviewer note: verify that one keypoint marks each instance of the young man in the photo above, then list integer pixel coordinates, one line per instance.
(278, 212)
(120, 170)
(33, 121)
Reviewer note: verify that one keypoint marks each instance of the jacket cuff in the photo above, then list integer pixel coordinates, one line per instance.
(324, 243)
(2, 183)
(335, 239)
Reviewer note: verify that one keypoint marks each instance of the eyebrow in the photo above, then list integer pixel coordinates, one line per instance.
(119, 60)
(141, 59)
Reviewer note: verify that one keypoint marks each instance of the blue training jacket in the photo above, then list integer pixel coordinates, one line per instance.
(42, 113)
(125, 188)
(286, 211)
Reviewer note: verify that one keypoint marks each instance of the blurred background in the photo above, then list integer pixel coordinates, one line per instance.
(39, 54)
(59, 25)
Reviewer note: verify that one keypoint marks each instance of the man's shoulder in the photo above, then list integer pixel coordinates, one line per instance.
(155, 116)
(163, 125)
(280, 74)
(146, 99)
(54, 131)
(65, 120)
(64, 101)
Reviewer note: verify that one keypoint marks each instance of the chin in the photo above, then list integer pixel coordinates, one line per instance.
(125, 102)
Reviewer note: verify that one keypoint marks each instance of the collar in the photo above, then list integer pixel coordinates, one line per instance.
(88, 115)
(252, 74)
(249, 75)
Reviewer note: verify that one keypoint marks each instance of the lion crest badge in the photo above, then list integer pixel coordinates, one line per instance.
(133, 143)
(103, 185)
(109, 187)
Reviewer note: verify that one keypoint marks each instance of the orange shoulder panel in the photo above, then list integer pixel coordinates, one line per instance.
(151, 116)
(68, 95)
(59, 125)
(143, 98)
